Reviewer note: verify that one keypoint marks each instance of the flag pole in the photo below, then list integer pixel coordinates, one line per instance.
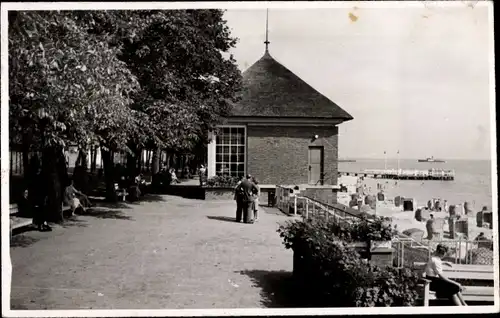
(398, 161)
(385, 160)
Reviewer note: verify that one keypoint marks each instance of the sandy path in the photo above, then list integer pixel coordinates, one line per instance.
(168, 254)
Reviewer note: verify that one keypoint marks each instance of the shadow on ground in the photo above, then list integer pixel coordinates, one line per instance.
(101, 202)
(149, 198)
(271, 210)
(73, 221)
(222, 218)
(105, 214)
(184, 191)
(277, 287)
(22, 241)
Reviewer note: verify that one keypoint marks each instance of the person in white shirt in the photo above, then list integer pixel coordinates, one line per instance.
(173, 176)
(442, 285)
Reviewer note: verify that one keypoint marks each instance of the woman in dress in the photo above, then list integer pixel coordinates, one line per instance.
(442, 285)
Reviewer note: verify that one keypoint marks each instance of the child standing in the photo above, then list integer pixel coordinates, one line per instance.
(256, 200)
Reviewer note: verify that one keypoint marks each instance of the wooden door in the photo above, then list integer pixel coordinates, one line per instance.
(316, 165)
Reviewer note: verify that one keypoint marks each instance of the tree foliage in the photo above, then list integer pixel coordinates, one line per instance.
(119, 78)
(73, 82)
(188, 83)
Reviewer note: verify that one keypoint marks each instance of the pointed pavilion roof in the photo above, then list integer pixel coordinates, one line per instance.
(271, 90)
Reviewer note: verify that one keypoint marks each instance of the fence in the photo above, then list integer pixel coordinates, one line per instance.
(407, 251)
(289, 202)
(16, 161)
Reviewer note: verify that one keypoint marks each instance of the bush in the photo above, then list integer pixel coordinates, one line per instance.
(364, 230)
(333, 274)
(222, 182)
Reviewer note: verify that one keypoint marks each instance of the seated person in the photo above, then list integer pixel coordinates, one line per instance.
(72, 198)
(173, 176)
(141, 183)
(442, 285)
(25, 205)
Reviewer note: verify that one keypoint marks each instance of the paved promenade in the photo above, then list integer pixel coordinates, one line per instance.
(165, 252)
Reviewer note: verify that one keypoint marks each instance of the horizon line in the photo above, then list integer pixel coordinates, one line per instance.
(446, 159)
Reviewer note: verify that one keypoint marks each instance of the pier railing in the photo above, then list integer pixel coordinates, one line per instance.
(404, 173)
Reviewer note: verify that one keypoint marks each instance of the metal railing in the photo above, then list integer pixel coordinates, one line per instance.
(460, 251)
(291, 203)
(407, 250)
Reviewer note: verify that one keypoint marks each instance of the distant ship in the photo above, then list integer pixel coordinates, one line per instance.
(346, 160)
(431, 159)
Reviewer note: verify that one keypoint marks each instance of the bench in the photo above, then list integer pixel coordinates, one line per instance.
(122, 193)
(480, 273)
(15, 221)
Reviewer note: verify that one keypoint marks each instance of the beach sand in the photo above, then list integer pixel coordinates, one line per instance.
(406, 220)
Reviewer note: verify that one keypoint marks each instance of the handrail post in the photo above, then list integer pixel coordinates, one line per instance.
(307, 208)
(295, 205)
(403, 255)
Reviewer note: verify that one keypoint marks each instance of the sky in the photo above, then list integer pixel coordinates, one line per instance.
(415, 79)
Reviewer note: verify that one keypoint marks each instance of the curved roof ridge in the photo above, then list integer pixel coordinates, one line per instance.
(272, 90)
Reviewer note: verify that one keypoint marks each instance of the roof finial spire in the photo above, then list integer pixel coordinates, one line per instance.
(267, 31)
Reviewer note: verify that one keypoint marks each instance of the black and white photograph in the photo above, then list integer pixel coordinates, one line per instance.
(248, 158)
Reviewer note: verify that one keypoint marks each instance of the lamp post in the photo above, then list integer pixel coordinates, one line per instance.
(398, 164)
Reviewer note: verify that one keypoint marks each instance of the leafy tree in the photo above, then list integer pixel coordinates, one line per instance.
(66, 86)
(188, 83)
(123, 80)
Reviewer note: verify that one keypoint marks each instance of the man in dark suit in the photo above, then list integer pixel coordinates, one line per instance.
(246, 191)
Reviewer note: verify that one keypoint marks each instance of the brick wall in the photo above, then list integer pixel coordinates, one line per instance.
(279, 155)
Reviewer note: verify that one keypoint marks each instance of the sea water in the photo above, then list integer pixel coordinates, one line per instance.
(473, 181)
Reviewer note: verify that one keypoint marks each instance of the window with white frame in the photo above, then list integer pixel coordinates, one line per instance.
(230, 151)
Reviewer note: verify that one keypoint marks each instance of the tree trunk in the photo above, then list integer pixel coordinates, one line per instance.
(132, 170)
(171, 161)
(139, 153)
(168, 155)
(109, 175)
(26, 159)
(78, 159)
(156, 161)
(52, 174)
(85, 159)
(93, 163)
(80, 173)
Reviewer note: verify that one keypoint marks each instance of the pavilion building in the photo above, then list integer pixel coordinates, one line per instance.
(282, 131)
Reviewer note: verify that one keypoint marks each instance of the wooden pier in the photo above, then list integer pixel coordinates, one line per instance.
(404, 174)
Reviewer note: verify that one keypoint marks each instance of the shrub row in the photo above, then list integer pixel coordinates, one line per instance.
(222, 182)
(330, 272)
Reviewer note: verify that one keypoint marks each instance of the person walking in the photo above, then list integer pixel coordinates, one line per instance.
(37, 195)
(238, 195)
(202, 174)
(429, 225)
(246, 190)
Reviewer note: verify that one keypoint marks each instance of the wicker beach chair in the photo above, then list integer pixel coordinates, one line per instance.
(438, 229)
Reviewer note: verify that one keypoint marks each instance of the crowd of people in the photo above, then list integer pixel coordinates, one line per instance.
(246, 195)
